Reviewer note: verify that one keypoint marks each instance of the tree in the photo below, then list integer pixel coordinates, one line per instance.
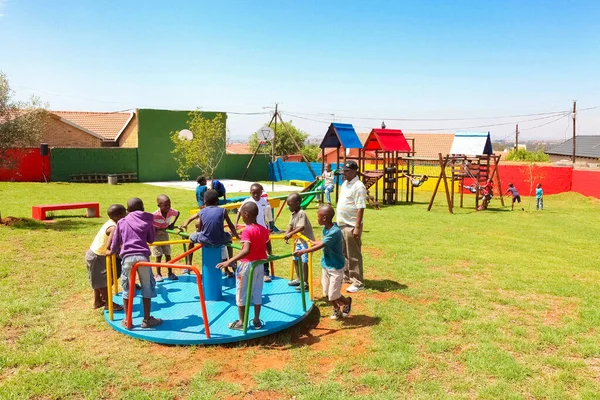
(21, 123)
(524, 155)
(206, 148)
(311, 152)
(497, 146)
(284, 145)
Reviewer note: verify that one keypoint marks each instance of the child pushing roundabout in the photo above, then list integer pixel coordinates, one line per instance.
(247, 308)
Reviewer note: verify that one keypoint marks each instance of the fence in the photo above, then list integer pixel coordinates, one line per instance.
(25, 165)
(72, 161)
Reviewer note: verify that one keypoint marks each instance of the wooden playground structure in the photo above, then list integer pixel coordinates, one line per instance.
(472, 169)
(386, 147)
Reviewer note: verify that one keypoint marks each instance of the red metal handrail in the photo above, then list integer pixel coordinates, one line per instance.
(128, 316)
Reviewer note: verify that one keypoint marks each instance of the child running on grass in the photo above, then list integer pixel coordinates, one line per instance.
(255, 246)
(515, 195)
(539, 197)
(96, 257)
(210, 231)
(332, 262)
(299, 223)
(164, 218)
(256, 197)
(131, 238)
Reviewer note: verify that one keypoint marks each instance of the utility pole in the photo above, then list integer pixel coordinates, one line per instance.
(273, 148)
(517, 138)
(574, 130)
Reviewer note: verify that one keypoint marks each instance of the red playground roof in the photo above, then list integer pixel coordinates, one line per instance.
(387, 140)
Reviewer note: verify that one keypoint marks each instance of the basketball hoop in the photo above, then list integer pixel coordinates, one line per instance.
(185, 134)
(266, 133)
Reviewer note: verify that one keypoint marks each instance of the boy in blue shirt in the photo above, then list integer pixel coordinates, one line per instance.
(539, 197)
(200, 190)
(333, 262)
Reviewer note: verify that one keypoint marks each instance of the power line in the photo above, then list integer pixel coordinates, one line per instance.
(547, 123)
(552, 113)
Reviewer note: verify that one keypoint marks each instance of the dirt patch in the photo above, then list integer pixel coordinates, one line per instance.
(166, 367)
(10, 221)
(559, 310)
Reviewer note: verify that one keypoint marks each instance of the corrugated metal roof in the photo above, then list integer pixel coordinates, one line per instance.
(585, 146)
(339, 134)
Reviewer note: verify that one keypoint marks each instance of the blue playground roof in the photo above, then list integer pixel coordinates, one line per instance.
(341, 135)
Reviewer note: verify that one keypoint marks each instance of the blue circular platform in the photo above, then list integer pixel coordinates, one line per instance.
(178, 305)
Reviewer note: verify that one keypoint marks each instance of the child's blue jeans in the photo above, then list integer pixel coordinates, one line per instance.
(328, 190)
(539, 203)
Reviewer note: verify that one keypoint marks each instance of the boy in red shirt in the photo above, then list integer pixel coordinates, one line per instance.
(255, 246)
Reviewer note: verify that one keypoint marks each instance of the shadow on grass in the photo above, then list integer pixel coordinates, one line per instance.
(308, 332)
(385, 285)
(55, 224)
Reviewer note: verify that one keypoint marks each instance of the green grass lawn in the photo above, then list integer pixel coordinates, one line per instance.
(492, 305)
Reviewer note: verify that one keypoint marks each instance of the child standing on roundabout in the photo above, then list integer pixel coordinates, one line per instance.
(130, 241)
(299, 223)
(255, 246)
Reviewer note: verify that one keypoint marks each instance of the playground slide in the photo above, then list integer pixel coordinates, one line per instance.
(308, 199)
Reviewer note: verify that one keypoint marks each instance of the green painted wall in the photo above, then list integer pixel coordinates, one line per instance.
(69, 161)
(155, 162)
(234, 165)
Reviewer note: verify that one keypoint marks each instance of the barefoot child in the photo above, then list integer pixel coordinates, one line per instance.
(164, 218)
(332, 262)
(96, 257)
(210, 230)
(515, 195)
(255, 246)
(299, 223)
(130, 240)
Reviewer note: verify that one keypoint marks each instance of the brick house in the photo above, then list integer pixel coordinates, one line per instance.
(90, 129)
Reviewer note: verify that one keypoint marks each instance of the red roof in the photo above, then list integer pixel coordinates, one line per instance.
(387, 140)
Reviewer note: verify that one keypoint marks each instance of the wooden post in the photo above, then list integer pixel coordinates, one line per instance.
(295, 143)
(496, 173)
(443, 162)
(337, 177)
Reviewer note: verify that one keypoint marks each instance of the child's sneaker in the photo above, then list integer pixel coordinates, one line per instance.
(150, 322)
(158, 278)
(295, 282)
(347, 308)
(337, 314)
(298, 289)
(267, 279)
(173, 277)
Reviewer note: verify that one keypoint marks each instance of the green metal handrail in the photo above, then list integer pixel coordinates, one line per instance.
(251, 278)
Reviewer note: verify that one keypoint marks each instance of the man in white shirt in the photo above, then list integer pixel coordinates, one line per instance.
(350, 210)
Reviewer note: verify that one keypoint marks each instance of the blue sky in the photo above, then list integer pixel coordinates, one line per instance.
(354, 59)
